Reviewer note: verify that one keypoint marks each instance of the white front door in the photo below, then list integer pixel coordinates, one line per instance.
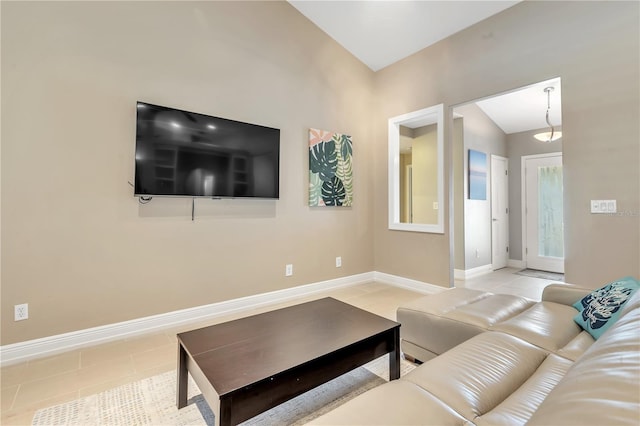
(499, 211)
(544, 222)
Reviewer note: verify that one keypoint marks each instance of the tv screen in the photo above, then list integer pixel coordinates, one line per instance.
(181, 153)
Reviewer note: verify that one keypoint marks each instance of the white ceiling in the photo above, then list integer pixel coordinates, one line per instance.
(380, 33)
(525, 109)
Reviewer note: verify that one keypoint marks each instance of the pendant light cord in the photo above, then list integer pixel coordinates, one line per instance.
(548, 90)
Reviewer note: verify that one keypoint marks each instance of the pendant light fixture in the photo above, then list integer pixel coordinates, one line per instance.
(552, 135)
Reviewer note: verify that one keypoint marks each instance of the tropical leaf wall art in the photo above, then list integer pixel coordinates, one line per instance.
(330, 169)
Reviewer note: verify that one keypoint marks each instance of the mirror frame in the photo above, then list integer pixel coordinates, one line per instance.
(431, 115)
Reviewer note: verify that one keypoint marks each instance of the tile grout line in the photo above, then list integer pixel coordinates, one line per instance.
(15, 396)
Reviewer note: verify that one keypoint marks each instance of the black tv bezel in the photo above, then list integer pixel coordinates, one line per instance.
(144, 196)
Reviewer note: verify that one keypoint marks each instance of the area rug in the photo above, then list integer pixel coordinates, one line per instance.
(152, 401)
(541, 274)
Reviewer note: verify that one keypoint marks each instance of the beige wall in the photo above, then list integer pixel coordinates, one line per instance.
(595, 48)
(77, 246)
(425, 174)
(405, 161)
(82, 252)
(423, 158)
(458, 166)
(479, 133)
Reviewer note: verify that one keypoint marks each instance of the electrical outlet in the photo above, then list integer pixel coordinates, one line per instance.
(21, 312)
(477, 254)
(338, 262)
(288, 270)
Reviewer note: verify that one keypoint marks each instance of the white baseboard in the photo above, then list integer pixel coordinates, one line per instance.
(47, 346)
(407, 283)
(465, 274)
(52, 345)
(520, 264)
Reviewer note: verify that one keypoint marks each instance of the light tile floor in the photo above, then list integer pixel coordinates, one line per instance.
(506, 281)
(40, 383)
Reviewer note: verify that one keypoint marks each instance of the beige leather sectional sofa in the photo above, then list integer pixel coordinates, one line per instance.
(530, 365)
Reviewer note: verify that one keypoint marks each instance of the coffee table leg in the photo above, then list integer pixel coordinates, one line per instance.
(394, 356)
(183, 376)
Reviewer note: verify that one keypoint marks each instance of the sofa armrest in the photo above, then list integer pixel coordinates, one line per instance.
(565, 294)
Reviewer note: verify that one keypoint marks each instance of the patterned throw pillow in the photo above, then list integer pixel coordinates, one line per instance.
(601, 308)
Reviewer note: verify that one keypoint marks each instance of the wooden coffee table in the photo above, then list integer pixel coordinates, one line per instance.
(247, 366)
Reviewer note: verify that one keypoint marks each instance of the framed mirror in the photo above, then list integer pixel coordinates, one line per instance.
(416, 175)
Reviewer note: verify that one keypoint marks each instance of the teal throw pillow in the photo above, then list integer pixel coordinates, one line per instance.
(601, 308)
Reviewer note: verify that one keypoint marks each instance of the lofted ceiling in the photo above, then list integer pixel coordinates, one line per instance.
(380, 33)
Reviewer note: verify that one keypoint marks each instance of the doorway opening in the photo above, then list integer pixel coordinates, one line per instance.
(493, 233)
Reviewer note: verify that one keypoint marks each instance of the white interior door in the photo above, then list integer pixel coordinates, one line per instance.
(544, 212)
(499, 211)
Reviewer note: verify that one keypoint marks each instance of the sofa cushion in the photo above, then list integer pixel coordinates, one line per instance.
(395, 403)
(577, 346)
(434, 324)
(477, 375)
(518, 408)
(601, 308)
(546, 324)
(565, 294)
(424, 319)
(497, 378)
(601, 388)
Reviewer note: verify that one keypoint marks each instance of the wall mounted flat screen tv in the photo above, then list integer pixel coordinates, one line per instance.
(181, 153)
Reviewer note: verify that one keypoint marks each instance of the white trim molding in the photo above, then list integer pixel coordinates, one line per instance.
(407, 283)
(46, 346)
(423, 117)
(513, 263)
(52, 345)
(465, 274)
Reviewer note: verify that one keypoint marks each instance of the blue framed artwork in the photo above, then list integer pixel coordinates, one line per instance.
(477, 175)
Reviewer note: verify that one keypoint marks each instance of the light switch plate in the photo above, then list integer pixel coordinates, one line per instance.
(604, 206)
